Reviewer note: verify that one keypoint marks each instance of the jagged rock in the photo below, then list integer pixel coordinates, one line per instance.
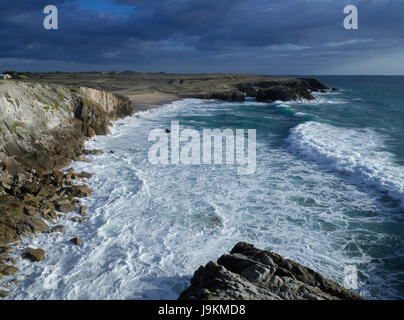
(9, 270)
(250, 273)
(34, 255)
(83, 219)
(76, 241)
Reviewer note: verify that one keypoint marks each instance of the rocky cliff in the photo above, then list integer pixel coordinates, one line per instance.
(42, 128)
(248, 273)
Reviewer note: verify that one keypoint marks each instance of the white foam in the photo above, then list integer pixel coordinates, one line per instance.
(357, 152)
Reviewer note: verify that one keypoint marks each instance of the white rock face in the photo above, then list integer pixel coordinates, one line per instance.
(30, 108)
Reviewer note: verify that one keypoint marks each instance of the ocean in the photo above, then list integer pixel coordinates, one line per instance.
(328, 192)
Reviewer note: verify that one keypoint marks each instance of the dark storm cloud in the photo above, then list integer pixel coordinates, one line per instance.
(266, 36)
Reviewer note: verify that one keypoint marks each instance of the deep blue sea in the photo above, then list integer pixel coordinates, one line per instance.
(328, 192)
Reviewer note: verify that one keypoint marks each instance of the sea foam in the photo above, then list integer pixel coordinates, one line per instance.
(357, 152)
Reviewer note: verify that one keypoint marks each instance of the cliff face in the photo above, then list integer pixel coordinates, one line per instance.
(248, 273)
(42, 128)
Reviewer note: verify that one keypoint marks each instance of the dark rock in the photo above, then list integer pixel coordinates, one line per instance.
(251, 92)
(282, 93)
(314, 84)
(34, 255)
(334, 89)
(76, 241)
(237, 96)
(250, 273)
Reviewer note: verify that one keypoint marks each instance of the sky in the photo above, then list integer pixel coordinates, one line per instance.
(274, 37)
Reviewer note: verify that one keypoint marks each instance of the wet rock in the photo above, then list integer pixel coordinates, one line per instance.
(76, 241)
(80, 191)
(9, 270)
(3, 293)
(250, 273)
(34, 255)
(86, 175)
(59, 228)
(83, 219)
(93, 152)
(83, 210)
(75, 219)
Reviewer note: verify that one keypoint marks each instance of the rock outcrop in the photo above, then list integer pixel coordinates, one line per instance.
(285, 89)
(248, 273)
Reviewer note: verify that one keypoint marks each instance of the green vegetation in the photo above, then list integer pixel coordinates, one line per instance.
(15, 126)
(75, 90)
(1, 129)
(47, 108)
(61, 97)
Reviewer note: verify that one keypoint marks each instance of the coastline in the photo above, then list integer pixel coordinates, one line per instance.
(155, 102)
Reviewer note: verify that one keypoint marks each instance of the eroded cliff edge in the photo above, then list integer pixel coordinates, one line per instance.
(248, 273)
(42, 129)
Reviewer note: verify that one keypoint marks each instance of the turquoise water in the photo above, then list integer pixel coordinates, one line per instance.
(327, 192)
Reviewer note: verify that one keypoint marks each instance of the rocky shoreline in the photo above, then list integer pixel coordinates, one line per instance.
(267, 91)
(248, 273)
(43, 128)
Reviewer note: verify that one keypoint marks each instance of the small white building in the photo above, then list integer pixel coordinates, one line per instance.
(5, 76)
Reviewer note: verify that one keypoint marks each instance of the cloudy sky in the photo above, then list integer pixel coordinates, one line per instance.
(250, 36)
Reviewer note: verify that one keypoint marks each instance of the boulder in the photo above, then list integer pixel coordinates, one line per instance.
(34, 255)
(9, 270)
(76, 241)
(3, 293)
(59, 228)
